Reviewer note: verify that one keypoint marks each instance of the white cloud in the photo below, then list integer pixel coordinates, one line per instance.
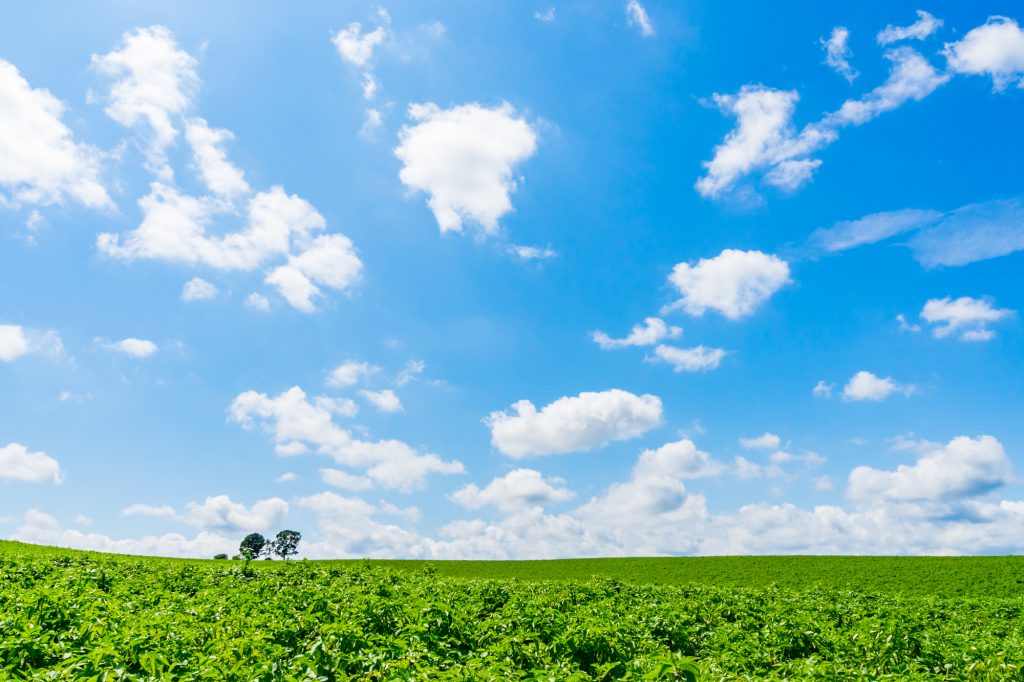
(971, 233)
(344, 480)
(373, 122)
(528, 253)
(17, 463)
(221, 176)
(286, 477)
(257, 301)
(356, 47)
(925, 25)
(995, 49)
(329, 260)
(766, 441)
(744, 468)
(40, 162)
(838, 53)
(911, 77)
(294, 419)
(156, 81)
(866, 386)
(219, 512)
(907, 326)
(384, 400)
(964, 467)
(82, 520)
(637, 16)
(464, 159)
(765, 139)
(733, 283)
(872, 228)
(413, 368)
(680, 459)
(516, 490)
(137, 348)
(41, 528)
(652, 331)
(822, 389)
(348, 529)
(198, 289)
(547, 16)
(967, 316)
(573, 424)
(163, 511)
(350, 372)
(697, 359)
(13, 342)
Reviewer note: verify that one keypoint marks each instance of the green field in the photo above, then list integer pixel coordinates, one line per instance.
(75, 615)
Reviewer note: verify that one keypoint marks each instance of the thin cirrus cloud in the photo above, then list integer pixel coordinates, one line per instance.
(965, 235)
(464, 159)
(578, 423)
(153, 92)
(41, 162)
(637, 17)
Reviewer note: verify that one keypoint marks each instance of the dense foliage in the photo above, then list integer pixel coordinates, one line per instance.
(70, 615)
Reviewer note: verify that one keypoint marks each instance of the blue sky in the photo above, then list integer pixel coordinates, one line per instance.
(509, 281)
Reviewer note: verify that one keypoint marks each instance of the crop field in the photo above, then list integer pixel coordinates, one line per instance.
(76, 615)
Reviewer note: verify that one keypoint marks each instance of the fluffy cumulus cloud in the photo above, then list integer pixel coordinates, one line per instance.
(925, 25)
(579, 423)
(964, 467)
(766, 441)
(356, 46)
(733, 283)
(965, 317)
(18, 463)
(42, 528)
(221, 513)
(384, 400)
(697, 359)
(636, 16)
(154, 86)
(838, 53)
(136, 348)
(515, 491)
(350, 372)
(764, 139)
(994, 49)
(867, 386)
(155, 81)
(651, 331)
(13, 342)
(40, 161)
(198, 289)
(464, 159)
(162, 511)
(293, 419)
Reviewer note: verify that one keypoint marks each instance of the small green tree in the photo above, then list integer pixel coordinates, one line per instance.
(286, 543)
(220, 557)
(252, 545)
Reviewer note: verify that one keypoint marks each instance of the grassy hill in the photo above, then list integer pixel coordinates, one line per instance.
(80, 615)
